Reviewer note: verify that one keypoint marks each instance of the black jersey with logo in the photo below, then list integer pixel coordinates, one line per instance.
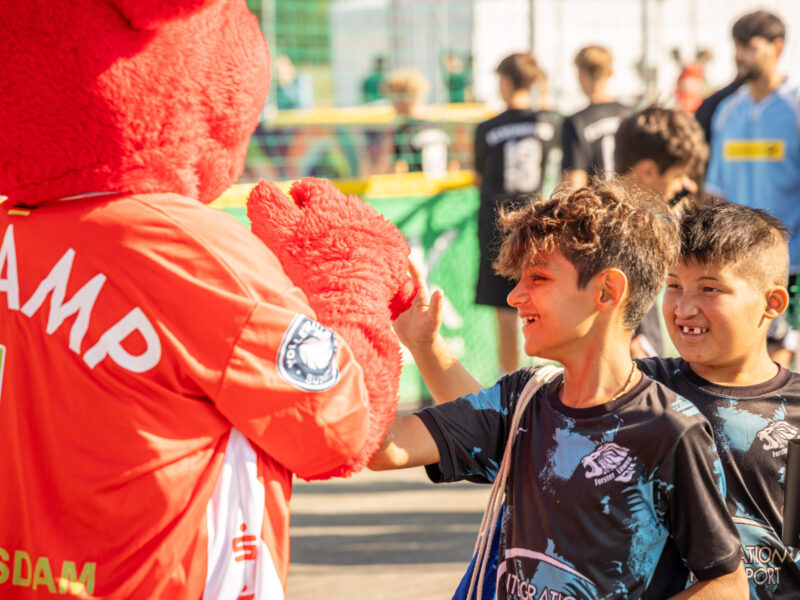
(610, 501)
(588, 138)
(512, 149)
(511, 156)
(752, 426)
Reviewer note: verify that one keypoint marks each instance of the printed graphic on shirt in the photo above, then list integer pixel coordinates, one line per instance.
(239, 562)
(504, 133)
(770, 150)
(565, 466)
(776, 436)
(609, 462)
(564, 581)
(512, 151)
(527, 573)
(738, 427)
(27, 570)
(566, 453)
(306, 356)
(765, 556)
(684, 406)
(81, 305)
(522, 159)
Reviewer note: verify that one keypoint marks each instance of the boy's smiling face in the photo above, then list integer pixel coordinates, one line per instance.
(715, 316)
(556, 314)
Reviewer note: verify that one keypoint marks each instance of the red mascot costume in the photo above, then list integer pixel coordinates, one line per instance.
(163, 373)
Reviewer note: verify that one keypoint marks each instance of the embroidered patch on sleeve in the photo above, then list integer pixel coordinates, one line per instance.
(306, 358)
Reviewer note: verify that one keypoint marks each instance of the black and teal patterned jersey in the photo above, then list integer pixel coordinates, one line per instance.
(752, 426)
(615, 501)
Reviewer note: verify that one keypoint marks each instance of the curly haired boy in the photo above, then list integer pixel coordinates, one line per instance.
(614, 484)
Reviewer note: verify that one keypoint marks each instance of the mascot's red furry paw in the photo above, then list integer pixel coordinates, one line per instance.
(352, 264)
(163, 373)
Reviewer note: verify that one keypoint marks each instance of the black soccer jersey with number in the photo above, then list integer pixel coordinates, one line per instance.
(588, 138)
(752, 426)
(512, 149)
(610, 501)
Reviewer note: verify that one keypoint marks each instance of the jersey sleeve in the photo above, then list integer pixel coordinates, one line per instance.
(691, 492)
(471, 434)
(575, 154)
(294, 388)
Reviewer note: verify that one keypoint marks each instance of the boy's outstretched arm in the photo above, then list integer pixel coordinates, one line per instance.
(732, 586)
(408, 443)
(418, 330)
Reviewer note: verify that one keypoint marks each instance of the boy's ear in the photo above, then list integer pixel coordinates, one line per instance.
(777, 302)
(611, 284)
(645, 172)
(778, 45)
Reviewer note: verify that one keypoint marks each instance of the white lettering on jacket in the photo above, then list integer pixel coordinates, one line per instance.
(82, 303)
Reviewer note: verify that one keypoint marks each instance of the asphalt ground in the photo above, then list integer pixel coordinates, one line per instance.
(385, 536)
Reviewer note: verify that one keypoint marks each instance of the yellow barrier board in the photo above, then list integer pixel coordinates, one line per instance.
(376, 186)
(378, 114)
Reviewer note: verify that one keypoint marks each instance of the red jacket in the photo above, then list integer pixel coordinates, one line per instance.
(143, 341)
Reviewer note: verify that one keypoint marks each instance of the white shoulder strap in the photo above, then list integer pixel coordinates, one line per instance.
(489, 522)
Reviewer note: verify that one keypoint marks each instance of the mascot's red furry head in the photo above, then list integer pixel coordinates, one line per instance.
(90, 78)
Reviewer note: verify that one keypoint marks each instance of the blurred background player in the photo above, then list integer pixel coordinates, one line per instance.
(588, 135)
(294, 90)
(457, 77)
(659, 150)
(418, 145)
(372, 86)
(690, 88)
(511, 154)
(755, 154)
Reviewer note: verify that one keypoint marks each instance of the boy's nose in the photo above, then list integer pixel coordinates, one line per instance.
(516, 297)
(685, 307)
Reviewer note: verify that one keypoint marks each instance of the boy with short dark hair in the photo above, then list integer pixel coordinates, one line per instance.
(729, 284)
(662, 151)
(755, 151)
(613, 487)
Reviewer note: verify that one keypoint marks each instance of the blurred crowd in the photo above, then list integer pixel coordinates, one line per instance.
(748, 151)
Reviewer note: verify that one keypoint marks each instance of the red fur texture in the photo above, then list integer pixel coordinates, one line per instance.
(130, 96)
(352, 265)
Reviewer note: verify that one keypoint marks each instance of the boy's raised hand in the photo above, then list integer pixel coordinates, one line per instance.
(418, 330)
(418, 327)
